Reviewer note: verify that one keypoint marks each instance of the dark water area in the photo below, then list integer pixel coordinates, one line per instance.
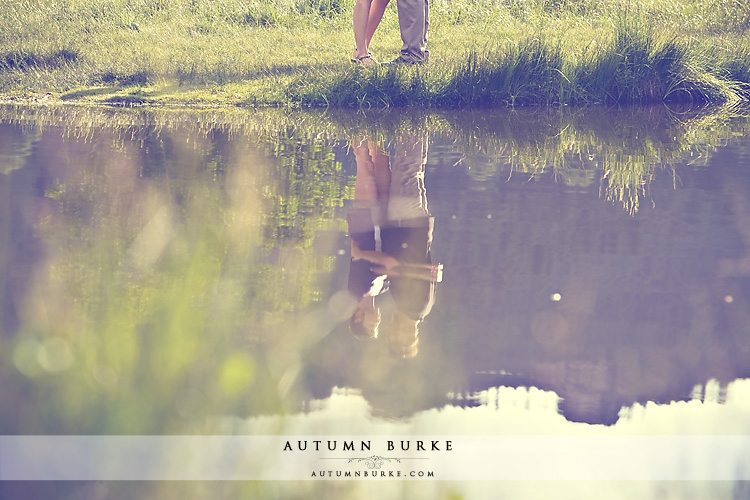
(171, 272)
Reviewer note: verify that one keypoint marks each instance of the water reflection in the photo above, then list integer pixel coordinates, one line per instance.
(163, 268)
(390, 230)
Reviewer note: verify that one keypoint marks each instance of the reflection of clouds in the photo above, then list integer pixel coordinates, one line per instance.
(530, 412)
(704, 414)
(511, 411)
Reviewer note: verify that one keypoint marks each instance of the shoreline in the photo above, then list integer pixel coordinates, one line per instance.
(155, 98)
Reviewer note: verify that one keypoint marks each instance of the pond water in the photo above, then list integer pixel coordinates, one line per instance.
(556, 272)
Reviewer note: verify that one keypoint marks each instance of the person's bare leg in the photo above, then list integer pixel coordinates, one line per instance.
(377, 9)
(360, 18)
(382, 170)
(365, 184)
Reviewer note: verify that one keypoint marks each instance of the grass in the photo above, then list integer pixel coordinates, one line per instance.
(296, 53)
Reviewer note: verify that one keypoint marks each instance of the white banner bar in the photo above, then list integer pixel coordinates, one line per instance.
(210, 458)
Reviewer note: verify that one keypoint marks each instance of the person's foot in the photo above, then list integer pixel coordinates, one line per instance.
(365, 60)
(408, 61)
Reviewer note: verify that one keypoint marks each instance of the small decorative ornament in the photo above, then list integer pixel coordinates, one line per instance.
(375, 461)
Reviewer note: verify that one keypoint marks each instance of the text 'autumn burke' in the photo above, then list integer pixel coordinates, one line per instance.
(388, 445)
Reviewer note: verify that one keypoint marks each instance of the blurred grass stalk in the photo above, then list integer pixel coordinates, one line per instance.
(296, 52)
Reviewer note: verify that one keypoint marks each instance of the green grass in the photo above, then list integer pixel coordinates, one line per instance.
(296, 53)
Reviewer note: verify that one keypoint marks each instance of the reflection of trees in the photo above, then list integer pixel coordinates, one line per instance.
(16, 234)
(619, 150)
(304, 187)
(643, 312)
(167, 248)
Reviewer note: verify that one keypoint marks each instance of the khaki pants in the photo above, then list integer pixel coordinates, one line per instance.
(413, 20)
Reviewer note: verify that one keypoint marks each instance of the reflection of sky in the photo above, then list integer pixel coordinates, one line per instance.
(529, 412)
(508, 410)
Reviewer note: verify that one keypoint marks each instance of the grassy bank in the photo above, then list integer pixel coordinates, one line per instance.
(296, 53)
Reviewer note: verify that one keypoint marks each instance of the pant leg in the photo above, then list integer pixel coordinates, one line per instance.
(408, 197)
(426, 26)
(413, 20)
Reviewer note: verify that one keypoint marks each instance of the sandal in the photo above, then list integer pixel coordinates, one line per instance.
(365, 60)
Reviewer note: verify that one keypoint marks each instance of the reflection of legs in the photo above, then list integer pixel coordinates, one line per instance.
(370, 190)
(408, 198)
(365, 188)
(372, 184)
(382, 171)
(403, 336)
(365, 321)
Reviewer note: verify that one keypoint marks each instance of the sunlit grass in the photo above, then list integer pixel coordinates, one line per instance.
(296, 52)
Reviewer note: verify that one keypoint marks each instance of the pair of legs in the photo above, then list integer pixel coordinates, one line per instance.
(366, 18)
(373, 179)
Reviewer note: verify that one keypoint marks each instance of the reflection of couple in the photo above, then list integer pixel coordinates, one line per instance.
(413, 20)
(391, 232)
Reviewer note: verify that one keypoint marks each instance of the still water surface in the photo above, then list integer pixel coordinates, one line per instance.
(186, 273)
